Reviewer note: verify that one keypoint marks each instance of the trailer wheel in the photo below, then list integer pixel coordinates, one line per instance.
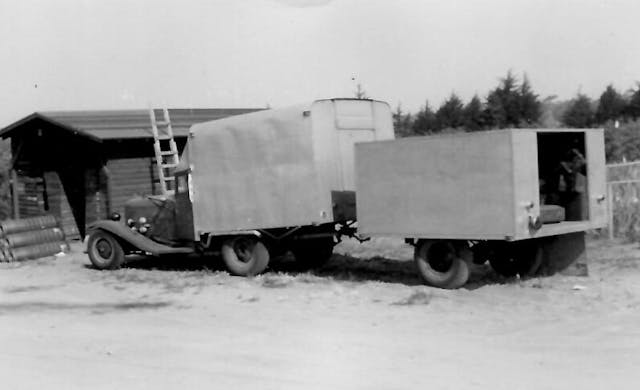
(439, 265)
(245, 256)
(517, 258)
(314, 252)
(105, 252)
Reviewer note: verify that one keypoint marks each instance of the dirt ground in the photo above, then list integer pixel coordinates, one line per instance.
(362, 322)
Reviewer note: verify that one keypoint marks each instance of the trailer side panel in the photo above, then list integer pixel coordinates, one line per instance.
(460, 186)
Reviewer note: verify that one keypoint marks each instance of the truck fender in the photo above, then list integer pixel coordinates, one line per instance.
(135, 239)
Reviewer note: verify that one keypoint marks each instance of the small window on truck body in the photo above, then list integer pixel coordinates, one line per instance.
(354, 115)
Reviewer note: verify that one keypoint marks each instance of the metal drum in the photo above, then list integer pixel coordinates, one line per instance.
(28, 224)
(38, 251)
(34, 237)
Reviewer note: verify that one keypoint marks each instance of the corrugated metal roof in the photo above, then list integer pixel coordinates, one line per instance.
(119, 124)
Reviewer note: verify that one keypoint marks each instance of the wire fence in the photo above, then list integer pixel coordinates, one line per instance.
(623, 193)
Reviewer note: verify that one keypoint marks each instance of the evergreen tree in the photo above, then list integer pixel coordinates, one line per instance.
(512, 105)
(450, 113)
(530, 106)
(632, 109)
(580, 113)
(472, 115)
(503, 106)
(425, 121)
(402, 123)
(360, 92)
(610, 105)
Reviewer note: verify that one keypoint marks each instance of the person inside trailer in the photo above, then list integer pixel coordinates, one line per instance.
(568, 186)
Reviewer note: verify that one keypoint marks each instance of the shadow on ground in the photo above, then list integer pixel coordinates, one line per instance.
(381, 269)
(338, 268)
(171, 263)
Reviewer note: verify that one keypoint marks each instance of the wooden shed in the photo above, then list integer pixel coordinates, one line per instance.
(83, 165)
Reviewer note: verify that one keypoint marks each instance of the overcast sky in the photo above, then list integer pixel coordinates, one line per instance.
(74, 54)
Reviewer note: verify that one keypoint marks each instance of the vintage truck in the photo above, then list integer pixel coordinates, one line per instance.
(252, 186)
(257, 185)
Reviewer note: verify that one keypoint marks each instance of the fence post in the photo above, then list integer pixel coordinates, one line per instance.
(610, 209)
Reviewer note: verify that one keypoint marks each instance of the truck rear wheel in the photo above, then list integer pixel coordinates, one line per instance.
(105, 252)
(439, 265)
(313, 252)
(245, 256)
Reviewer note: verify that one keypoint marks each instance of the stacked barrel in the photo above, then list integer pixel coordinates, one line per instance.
(31, 238)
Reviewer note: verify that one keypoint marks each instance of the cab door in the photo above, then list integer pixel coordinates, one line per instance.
(184, 209)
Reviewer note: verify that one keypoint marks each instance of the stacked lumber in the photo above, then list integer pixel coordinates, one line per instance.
(31, 238)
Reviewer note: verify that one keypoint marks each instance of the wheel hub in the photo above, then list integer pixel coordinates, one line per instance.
(440, 257)
(104, 249)
(243, 249)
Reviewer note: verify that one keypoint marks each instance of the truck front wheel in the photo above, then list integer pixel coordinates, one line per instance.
(105, 252)
(245, 256)
(439, 264)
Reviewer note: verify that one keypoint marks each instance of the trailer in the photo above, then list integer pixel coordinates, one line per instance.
(253, 186)
(518, 198)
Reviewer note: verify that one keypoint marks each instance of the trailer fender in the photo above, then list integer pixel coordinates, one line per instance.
(137, 240)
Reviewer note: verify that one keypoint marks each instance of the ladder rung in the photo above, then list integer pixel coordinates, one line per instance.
(166, 134)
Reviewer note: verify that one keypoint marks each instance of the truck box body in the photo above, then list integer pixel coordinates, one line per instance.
(484, 185)
(278, 168)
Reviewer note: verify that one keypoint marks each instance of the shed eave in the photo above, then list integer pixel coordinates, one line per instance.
(8, 131)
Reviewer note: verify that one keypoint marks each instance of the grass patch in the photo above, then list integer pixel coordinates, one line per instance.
(276, 280)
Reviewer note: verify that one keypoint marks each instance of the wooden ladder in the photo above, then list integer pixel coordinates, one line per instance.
(165, 149)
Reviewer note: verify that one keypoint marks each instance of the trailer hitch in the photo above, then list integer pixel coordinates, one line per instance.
(349, 229)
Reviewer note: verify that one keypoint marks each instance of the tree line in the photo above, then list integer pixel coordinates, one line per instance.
(513, 103)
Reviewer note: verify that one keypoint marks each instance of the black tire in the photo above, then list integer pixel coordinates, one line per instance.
(245, 256)
(105, 252)
(516, 258)
(313, 252)
(439, 265)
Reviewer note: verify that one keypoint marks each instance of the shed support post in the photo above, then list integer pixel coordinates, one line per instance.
(14, 194)
(107, 176)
